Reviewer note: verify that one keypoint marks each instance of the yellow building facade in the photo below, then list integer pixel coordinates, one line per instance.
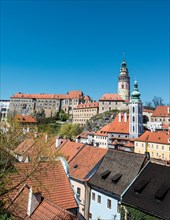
(156, 143)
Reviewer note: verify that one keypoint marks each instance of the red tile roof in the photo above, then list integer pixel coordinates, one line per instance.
(48, 178)
(115, 126)
(46, 210)
(85, 161)
(160, 137)
(25, 146)
(69, 149)
(148, 110)
(87, 98)
(161, 111)
(34, 148)
(112, 97)
(25, 119)
(85, 134)
(88, 105)
(69, 95)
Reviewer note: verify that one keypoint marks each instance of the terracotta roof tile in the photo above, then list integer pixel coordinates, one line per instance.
(70, 149)
(25, 119)
(161, 111)
(85, 134)
(69, 95)
(48, 178)
(87, 98)
(85, 161)
(115, 126)
(49, 211)
(148, 110)
(24, 146)
(112, 97)
(46, 210)
(154, 137)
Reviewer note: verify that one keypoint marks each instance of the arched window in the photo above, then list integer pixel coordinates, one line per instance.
(133, 118)
(133, 129)
(133, 109)
(122, 86)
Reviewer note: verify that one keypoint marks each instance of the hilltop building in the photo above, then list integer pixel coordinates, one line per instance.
(120, 133)
(83, 112)
(30, 104)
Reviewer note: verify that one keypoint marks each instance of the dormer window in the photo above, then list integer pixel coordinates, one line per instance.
(105, 174)
(141, 186)
(116, 177)
(162, 191)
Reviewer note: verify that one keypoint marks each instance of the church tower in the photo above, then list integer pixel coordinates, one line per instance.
(136, 113)
(124, 82)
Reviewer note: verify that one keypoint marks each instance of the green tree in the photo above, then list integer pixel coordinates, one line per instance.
(62, 116)
(135, 214)
(70, 131)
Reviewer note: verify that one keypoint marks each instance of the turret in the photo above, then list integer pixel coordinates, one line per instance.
(124, 82)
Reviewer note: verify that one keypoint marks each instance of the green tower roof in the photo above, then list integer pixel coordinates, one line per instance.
(135, 93)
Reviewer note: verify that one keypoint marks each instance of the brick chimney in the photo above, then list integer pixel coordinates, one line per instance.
(125, 117)
(58, 141)
(34, 199)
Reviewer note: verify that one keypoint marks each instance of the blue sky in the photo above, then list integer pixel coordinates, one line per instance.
(57, 46)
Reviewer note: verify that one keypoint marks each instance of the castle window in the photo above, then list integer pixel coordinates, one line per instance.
(133, 118)
(122, 86)
(133, 109)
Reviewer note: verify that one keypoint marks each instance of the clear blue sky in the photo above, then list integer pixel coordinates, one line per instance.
(56, 46)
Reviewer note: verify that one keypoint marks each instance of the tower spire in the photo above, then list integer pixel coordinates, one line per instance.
(124, 82)
(136, 113)
(135, 93)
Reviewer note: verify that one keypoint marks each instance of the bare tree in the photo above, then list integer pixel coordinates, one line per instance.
(157, 101)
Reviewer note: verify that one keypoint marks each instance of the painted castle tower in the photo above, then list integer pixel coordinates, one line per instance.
(124, 82)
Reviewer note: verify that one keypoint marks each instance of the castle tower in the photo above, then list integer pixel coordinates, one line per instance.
(136, 113)
(124, 82)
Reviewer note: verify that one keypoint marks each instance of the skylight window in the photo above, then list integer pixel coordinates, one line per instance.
(116, 177)
(75, 166)
(105, 174)
(162, 191)
(141, 186)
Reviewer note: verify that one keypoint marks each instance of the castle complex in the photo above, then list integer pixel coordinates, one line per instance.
(30, 104)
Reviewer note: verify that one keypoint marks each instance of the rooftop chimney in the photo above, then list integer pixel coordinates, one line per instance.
(168, 109)
(33, 201)
(125, 117)
(58, 141)
(119, 117)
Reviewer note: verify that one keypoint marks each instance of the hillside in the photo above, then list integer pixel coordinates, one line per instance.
(100, 120)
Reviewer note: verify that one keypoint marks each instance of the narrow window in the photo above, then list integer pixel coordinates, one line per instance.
(99, 199)
(78, 192)
(93, 196)
(109, 204)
